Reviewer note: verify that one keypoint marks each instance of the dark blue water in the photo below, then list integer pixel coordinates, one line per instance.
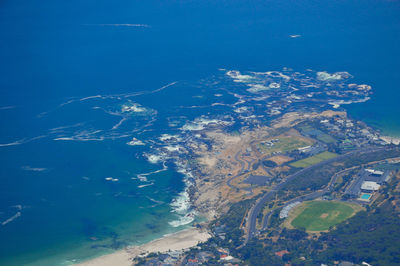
(55, 51)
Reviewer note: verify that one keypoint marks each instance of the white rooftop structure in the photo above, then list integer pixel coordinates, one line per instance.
(306, 148)
(370, 185)
(285, 210)
(375, 172)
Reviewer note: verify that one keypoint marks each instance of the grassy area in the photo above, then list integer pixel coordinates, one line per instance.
(318, 216)
(326, 138)
(285, 144)
(313, 159)
(339, 180)
(317, 134)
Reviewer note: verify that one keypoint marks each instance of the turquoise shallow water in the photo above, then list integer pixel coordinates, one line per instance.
(54, 54)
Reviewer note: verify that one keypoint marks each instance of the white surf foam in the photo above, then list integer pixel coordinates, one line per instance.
(183, 220)
(201, 123)
(181, 204)
(325, 76)
(135, 142)
(153, 158)
(135, 107)
(176, 148)
(238, 77)
(168, 137)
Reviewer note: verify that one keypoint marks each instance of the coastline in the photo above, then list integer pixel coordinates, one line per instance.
(391, 140)
(171, 242)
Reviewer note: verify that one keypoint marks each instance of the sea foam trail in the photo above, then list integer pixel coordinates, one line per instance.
(154, 200)
(22, 141)
(90, 97)
(18, 142)
(107, 96)
(12, 218)
(7, 107)
(146, 185)
(34, 169)
(116, 126)
(121, 25)
(143, 177)
(61, 128)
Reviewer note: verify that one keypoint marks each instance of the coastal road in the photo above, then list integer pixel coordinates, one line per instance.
(260, 203)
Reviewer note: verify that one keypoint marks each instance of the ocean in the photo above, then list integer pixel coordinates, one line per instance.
(80, 79)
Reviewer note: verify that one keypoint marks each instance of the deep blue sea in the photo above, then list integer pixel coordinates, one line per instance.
(80, 79)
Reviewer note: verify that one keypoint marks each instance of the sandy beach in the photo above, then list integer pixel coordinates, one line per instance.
(177, 241)
(388, 139)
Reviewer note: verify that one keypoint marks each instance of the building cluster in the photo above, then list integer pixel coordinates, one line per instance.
(269, 143)
(351, 134)
(165, 259)
(365, 183)
(313, 150)
(197, 258)
(197, 255)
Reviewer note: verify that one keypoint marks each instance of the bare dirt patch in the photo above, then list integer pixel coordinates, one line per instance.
(280, 159)
(324, 215)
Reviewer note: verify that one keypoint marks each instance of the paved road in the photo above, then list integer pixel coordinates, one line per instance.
(260, 203)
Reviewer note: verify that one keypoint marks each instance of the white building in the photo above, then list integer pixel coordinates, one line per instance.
(374, 172)
(370, 186)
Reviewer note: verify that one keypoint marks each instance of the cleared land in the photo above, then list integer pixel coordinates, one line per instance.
(280, 159)
(317, 216)
(314, 159)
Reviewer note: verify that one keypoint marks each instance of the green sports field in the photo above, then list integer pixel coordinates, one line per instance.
(313, 159)
(321, 215)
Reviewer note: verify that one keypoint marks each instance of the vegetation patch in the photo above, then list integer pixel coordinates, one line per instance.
(284, 144)
(269, 163)
(326, 138)
(316, 133)
(313, 159)
(319, 216)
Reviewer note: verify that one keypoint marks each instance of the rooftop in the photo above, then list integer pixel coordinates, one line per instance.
(370, 185)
